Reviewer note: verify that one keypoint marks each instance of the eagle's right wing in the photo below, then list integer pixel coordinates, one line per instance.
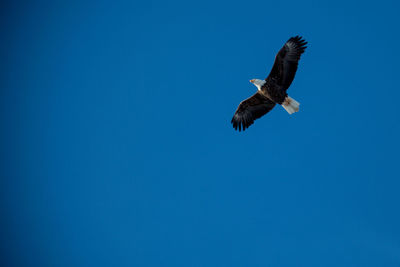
(251, 109)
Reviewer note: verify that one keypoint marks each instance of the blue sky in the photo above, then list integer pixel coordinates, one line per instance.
(117, 148)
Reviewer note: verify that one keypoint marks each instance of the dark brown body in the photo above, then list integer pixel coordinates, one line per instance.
(273, 91)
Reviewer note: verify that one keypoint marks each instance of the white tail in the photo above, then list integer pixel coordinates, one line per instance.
(290, 105)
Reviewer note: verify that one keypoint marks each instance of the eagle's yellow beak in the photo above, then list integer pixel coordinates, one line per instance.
(252, 81)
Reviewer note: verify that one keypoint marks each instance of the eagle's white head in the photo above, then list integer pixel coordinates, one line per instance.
(257, 83)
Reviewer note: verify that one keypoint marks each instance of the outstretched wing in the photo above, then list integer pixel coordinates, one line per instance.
(286, 61)
(251, 109)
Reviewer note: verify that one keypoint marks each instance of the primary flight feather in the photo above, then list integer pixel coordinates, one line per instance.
(272, 90)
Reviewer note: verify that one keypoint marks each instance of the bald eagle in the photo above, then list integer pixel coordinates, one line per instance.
(272, 90)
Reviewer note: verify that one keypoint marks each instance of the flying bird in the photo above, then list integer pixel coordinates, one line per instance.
(272, 90)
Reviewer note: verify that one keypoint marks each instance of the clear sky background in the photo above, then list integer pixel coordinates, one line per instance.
(117, 147)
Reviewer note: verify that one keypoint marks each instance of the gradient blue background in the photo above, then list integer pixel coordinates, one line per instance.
(117, 148)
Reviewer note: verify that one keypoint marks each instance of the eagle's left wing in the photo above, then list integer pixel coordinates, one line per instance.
(286, 62)
(251, 109)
